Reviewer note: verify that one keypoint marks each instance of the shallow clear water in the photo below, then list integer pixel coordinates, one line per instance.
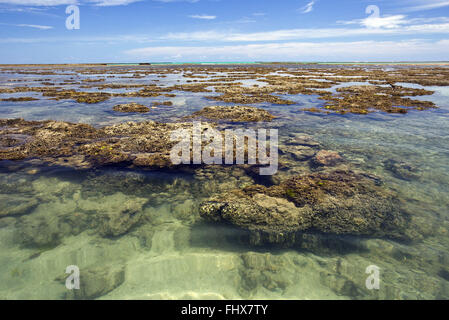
(172, 254)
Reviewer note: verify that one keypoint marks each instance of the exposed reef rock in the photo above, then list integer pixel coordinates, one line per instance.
(20, 99)
(233, 114)
(382, 91)
(80, 97)
(144, 144)
(371, 98)
(251, 98)
(341, 202)
(131, 107)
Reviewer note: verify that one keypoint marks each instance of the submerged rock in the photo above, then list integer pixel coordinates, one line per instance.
(234, 114)
(46, 229)
(402, 170)
(16, 205)
(340, 202)
(96, 282)
(50, 222)
(115, 214)
(327, 158)
(299, 152)
(263, 271)
(302, 140)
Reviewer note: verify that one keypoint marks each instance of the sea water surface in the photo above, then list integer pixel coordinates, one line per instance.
(174, 255)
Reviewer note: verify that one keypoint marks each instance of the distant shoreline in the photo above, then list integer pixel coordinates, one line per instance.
(421, 63)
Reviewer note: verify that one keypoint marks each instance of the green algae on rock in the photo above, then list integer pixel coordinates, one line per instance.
(340, 202)
(233, 114)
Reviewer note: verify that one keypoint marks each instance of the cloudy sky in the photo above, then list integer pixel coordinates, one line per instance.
(34, 31)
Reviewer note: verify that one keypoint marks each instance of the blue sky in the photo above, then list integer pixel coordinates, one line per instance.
(34, 31)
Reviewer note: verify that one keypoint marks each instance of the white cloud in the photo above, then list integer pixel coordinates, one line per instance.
(168, 1)
(429, 5)
(304, 51)
(203, 17)
(388, 22)
(301, 34)
(35, 26)
(39, 2)
(110, 3)
(308, 7)
(101, 3)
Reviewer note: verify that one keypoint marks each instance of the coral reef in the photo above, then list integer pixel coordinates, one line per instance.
(367, 99)
(340, 202)
(233, 114)
(381, 92)
(20, 99)
(144, 144)
(131, 107)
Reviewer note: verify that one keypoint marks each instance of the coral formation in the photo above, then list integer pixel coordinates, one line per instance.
(367, 99)
(233, 114)
(144, 144)
(131, 107)
(340, 202)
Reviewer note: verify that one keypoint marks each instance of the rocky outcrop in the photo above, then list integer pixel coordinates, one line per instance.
(340, 203)
(233, 114)
(371, 98)
(144, 144)
(131, 107)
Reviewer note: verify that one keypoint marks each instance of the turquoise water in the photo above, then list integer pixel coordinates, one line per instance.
(172, 254)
